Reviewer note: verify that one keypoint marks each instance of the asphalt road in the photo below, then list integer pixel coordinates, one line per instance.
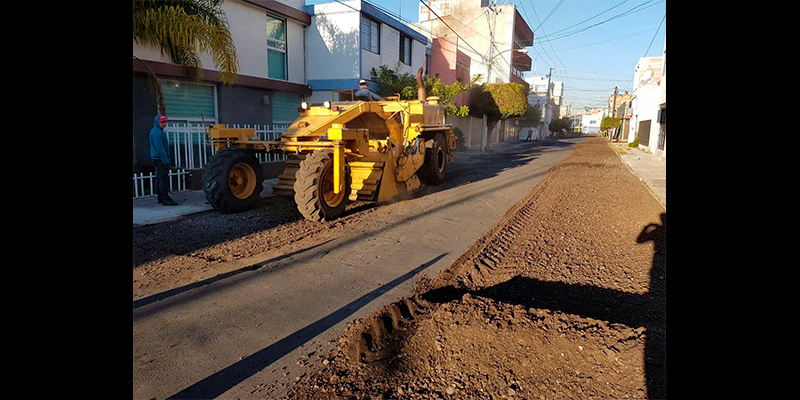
(250, 334)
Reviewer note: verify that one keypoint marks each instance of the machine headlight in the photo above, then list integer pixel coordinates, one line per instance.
(327, 104)
(304, 105)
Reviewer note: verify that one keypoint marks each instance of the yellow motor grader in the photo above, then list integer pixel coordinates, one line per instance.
(337, 152)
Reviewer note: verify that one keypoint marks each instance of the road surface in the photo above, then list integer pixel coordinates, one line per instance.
(225, 307)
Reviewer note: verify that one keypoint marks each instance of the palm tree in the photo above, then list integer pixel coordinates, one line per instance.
(181, 28)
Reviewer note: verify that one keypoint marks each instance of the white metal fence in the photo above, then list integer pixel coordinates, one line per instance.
(144, 185)
(190, 148)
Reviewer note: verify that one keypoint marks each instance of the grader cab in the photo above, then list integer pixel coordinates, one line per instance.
(338, 152)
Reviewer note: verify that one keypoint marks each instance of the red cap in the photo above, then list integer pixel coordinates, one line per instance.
(162, 118)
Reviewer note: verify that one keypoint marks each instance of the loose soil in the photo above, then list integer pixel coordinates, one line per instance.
(203, 246)
(564, 298)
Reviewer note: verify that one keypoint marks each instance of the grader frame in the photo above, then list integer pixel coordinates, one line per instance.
(338, 151)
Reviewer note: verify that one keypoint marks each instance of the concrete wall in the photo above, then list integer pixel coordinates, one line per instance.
(335, 57)
(334, 43)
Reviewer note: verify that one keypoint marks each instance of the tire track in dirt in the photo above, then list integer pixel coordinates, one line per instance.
(563, 298)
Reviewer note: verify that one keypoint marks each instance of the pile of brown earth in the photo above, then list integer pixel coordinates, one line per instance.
(564, 298)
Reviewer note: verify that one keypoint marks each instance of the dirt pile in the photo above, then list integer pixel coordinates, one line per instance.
(564, 298)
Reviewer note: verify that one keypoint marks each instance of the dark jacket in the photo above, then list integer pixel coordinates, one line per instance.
(159, 145)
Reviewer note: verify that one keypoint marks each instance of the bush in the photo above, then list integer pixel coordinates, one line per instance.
(391, 83)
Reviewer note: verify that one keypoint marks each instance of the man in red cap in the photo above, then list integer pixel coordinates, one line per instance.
(159, 153)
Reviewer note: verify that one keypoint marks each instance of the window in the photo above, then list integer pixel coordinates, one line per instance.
(276, 48)
(370, 35)
(405, 50)
(189, 101)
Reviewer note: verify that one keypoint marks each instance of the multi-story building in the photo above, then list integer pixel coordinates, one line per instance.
(549, 103)
(347, 39)
(661, 145)
(489, 34)
(591, 120)
(538, 85)
(269, 37)
(644, 101)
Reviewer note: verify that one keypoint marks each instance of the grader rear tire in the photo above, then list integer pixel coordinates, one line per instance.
(434, 169)
(232, 180)
(313, 189)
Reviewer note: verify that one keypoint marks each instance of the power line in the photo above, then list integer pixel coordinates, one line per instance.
(648, 47)
(591, 18)
(633, 10)
(548, 15)
(445, 23)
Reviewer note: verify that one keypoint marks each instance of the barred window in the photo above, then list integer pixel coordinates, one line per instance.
(370, 35)
(405, 50)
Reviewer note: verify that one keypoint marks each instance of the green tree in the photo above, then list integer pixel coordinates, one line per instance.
(392, 83)
(181, 28)
(533, 116)
(557, 125)
(609, 123)
(497, 101)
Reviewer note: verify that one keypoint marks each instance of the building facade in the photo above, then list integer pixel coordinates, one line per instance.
(661, 144)
(644, 102)
(476, 22)
(591, 120)
(550, 104)
(269, 37)
(347, 39)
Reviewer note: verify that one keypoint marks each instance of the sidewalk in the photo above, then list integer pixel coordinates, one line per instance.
(651, 169)
(147, 210)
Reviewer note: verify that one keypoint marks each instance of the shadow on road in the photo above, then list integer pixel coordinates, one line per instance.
(227, 378)
(648, 310)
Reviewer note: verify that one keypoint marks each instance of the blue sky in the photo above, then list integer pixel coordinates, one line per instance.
(594, 58)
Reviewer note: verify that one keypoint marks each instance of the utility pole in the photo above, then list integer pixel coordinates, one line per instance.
(613, 113)
(546, 105)
(493, 9)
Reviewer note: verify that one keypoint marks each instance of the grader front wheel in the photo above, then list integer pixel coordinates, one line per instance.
(232, 180)
(314, 188)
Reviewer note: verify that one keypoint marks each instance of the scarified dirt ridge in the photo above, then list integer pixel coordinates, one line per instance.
(564, 298)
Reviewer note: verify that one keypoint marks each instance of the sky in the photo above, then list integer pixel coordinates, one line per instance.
(594, 53)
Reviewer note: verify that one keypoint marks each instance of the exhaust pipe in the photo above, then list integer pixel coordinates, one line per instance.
(422, 96)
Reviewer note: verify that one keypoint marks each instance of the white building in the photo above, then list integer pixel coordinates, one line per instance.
(539, 95)
(645, 101)
(591, 120)
(347, 39)
(661, 144)
(539, 89)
